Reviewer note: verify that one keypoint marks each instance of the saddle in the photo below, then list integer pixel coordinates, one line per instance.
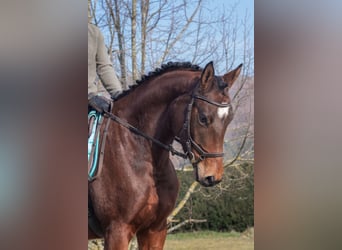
(96, 141)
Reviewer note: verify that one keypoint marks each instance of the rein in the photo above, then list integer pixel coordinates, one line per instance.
(190, 142)
(143, 134)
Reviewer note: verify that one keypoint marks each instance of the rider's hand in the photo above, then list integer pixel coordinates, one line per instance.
(115, 96)
(99, 103)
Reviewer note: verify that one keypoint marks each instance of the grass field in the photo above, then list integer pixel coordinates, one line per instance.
(204, 240)
(210, 241)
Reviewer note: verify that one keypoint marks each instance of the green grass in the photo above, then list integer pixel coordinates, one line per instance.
(206, 240)
(209, 241)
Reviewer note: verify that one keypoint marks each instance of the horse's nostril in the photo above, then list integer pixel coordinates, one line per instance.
(210, 180)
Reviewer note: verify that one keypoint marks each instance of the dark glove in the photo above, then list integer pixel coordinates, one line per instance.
(116, 95)
(99, 103)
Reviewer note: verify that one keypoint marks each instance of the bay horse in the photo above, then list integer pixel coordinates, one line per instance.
(138, 186)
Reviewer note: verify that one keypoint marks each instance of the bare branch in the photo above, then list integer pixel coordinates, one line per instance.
(183, 201)
(185, 27)
(184, 223)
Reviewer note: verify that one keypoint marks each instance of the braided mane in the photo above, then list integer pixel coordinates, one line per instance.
(170, 66)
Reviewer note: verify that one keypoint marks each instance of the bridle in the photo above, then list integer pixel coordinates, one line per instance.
(189, 141)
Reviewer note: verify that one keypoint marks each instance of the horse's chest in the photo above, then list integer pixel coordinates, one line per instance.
(147, 213)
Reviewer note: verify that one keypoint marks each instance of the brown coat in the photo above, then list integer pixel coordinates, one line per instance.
(99, 64)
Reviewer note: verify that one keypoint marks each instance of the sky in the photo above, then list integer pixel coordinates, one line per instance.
(241, 7)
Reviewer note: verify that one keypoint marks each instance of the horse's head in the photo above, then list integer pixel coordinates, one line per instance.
(208, 116)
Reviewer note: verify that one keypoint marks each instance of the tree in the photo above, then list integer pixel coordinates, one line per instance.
(150, 33)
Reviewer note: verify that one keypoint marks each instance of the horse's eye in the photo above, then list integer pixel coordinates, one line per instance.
(203, 119)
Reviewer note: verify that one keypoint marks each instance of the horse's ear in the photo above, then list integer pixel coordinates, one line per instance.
(231, 76)
(207, 74)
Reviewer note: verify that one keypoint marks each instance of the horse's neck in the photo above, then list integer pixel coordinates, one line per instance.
(146, 104)
(150, 108)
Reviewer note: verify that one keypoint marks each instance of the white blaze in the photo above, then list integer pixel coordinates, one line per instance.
(223, 112)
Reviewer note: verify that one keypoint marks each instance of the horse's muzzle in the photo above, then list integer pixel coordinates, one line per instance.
(209, 181)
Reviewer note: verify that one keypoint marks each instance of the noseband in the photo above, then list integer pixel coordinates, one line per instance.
(190, 142)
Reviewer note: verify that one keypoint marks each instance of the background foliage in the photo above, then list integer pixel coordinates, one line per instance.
(228, 206)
